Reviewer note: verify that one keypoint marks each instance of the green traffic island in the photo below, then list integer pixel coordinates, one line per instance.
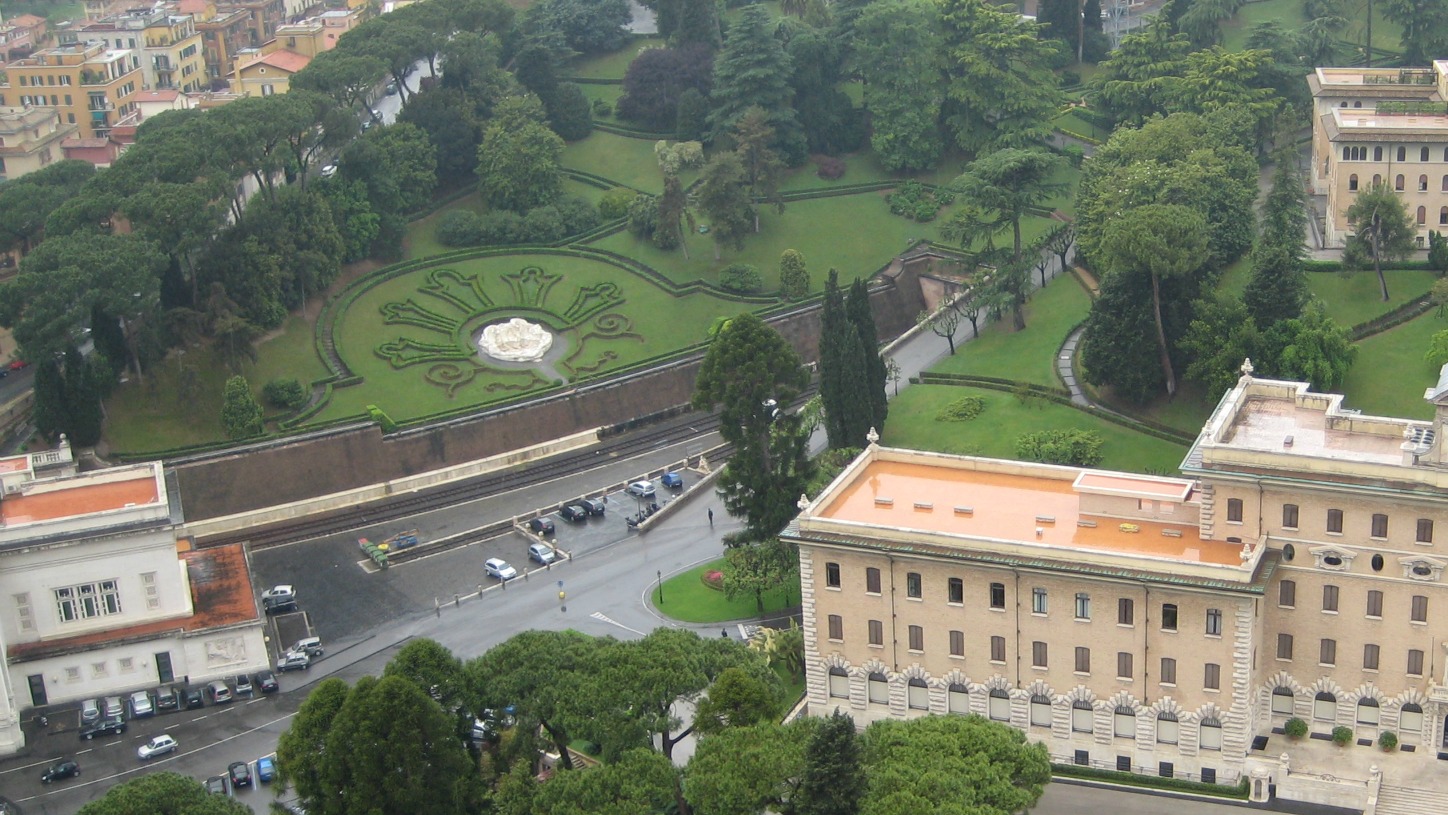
(698, 595)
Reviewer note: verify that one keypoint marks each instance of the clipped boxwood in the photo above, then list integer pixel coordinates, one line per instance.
(1388, 741)
(286, 394)
(962, 410)
(1295, 728)
(740, 277)
(1341, 735)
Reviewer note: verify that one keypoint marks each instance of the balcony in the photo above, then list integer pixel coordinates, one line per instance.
(1405, 77)
(101, 105)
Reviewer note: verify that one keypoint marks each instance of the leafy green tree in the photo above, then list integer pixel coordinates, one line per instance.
(900, 54)
(1009, 183)
(570, 113)
(762, 167)
(724, 197)
(1278, 287)
(658, 80)
(347, 78)
(862, 317)
(541, 674)
(241, 415)
(1437, 354)
(698, 23)
(1118, 348)
(1216, 80)
(831, 123)
(833, 781)
(1425, 28)
(358, 226)
(518, 160)
(1202, 20)
(737, 698)
(967, 762)
(1222, 335)
(1311, 348)
(164, 793)
(691, 122)
(752, 374)
(674, 220)
(591, 27)
(747, 770)
(793, 276)
(26, 202)
(1140, 76)
(638, 781)
(432, 668)
(1437, 251)
(755, 569)
(1381, 231)
(399, 165)
(449, 119)
(1001, 90)
(301, 747)
(51, 412)
(181, 219)
(753, 70)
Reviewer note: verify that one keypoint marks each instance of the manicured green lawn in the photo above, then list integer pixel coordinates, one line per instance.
(1073, 122)
(1028, 355)
(687, 599)
(1386, 33)
(609, 66)
(608, 93)
(1355, 297)
(913, 424)
(628, 162)
(1187, 412)
(1389, 375)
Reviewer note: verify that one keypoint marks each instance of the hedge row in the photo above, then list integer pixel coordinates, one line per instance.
(1336, 266)
(1077, 136)
(631, 132)
(1239, 791)
(1402, 314)
(591, 80)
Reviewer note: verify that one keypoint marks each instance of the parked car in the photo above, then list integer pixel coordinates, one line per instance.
(240, 773)
(391, 89)
(595, 506)
(641, 489)
(90, 711)
(216, 785)
(168, 697)
(543, 526)
(673, 481)
(311, 646)
(59, 771)
(499, 568)
(542, 553)
(279, 598)
(218, 691)
(266, 769)
(18, 365)
(267, 682)
(114, 707)
(329, 170)
(192, 698)
(160, 745)
(242, 684)
(104, 727)
(293, 661)
(577, 513)
(141, 705)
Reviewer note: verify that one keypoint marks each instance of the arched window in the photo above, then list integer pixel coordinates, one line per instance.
(1422, 215)
(957, 699)
(1410, 720)
(1082, 716)
(1000, 705)
(1040, 711)
(1367, 710)
(918, 695)
(1124, 722)
(1423, 154)
(1167, 728)
(1324, 706)
(1344, 103)
(1282, 700)
(1345, 152)
(1445, 183)
(1402, 153)
(1377, 154)
(1377, 179)
(1210, 734)
(879, 689)
(1357, 104)
(839, 683)
(1422, 183)
(1398, 182)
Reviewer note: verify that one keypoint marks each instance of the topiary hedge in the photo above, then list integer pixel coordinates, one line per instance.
(1238, 790)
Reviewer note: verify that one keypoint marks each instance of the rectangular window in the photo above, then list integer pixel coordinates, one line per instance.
(1380, 525)
(872, 581)
(1234, 510)
(1168, 671)
(1038, 654)
(1334, 521)
(1370, 657)
(88, 600)
(997, 649)
(1287, 593)
(72, 674)
(1168, 617)
(998, 595)
(1415, 662)
(912, 586)
(23, 613)
(1083, 660)
(1214, 622)
(877, 632)
(1125, 611)
(917, 638)
(1425, 530)
(1375, 604)
(1284, 646)
(837, 627)
(1329, 598)
(126, 664)
(1289, 516)
(1212, 678)
(1420, 608)
(955, 591)
(1327, 653)
(1123, 664)
(1038, 601)
(150, 590)
(832, 575)
(957, 643)
(1083, 606)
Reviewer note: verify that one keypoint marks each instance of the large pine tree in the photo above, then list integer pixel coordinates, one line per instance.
(857, 306)
(834, 781)
(753, 69)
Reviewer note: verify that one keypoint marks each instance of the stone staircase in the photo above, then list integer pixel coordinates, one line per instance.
(1407, 801)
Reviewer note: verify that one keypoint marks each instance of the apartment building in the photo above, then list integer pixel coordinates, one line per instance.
(30, 138)
(168, 45)
(91, 84)
(223, 33)
(1160, 625)
(1381, 126)
(20, 36)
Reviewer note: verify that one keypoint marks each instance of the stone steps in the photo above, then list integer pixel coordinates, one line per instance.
(1407, 801)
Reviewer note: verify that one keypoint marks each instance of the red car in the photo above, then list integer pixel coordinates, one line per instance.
(18, 364)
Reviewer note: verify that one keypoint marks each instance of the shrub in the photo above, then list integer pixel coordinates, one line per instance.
(542, 225)
(1070, 79)
(829, 167)
(691, 123)
(500, 228)
(569, 112)
(793, 276)
(643, 215)
(962, 410)
(656, 80)
(602, 108)
(914, 201)
(286, 394)
(1341, 735)
(460, 227)
(714, 579)
(1388, 740)
(1295, 728)
(615, 203)
(1075, 448)
(740, 277)
(578, 215)
(1075, 154)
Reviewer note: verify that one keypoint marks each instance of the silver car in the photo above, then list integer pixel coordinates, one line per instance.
(499, 568)
(141, 705)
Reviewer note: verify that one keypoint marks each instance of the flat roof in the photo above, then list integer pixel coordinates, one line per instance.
(14, 464)
(80, 499)
(1351, 118)
(1267, 423)
(1133, 486)
(980, 504)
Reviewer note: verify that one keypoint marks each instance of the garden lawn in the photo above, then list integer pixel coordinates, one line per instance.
(687, 599)
(609, 94)
(1188, 412)
(1071, 122)
(913, 425)
(611, 65)
(1387, 35)
(622, 160)
(1028, 355)
(1354, 297)
(1390, 374)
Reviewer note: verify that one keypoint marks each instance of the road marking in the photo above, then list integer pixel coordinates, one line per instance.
(601, 617)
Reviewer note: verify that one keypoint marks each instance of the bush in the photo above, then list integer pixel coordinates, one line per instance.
(1388, 740)
(500, 228)
(691, 122)
(793, 276)
(1074, 448)
(1070, 79)
(602, 108)
(656, 80)
(570, 114)
(1075, 154)
(961, 410)
(740, 277)
(578, 215)
(615, 203)
(1238, 790)
(1295, 728)
(286, 394)
(643, 215)
(1341, 735)
(914, 201)
(460, 227)
(829, 167)
(542, 225)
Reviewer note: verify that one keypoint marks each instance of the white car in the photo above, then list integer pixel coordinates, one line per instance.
(499, 568)
(542, 553)
(641, 489)
(157, 746)
(141, 705)
(329, 171)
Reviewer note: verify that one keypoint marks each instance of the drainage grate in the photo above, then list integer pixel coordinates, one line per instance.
(1408, 748)
(1322, 736)
(1259, 742)
(1365, 742)
(1277, 731)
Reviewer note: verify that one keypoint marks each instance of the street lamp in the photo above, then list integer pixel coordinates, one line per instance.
(660, 575)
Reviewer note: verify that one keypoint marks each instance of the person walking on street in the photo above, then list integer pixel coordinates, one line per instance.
(711, 516)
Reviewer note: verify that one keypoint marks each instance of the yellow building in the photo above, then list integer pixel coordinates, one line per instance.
(91, 86)
(223, 33)
(266, 74)
(30, 138)
(1168, 626)
(173, 58)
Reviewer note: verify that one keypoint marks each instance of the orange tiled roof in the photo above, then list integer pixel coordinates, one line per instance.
(289, 61)
(27, 20)
(78, 500)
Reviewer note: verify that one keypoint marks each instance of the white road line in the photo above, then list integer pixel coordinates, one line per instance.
(601, 617)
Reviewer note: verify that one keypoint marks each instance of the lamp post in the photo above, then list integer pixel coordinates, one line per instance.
(660, 575)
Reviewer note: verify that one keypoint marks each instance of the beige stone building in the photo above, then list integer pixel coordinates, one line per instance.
(1163, 625)
(30, 138)
(89, 84)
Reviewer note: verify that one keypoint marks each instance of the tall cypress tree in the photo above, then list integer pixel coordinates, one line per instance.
(834, 781)
(753, 69)
(833, 321)
(857, 306)
(696, 21)
(1278, 288)
(51, 412)
(83, 401)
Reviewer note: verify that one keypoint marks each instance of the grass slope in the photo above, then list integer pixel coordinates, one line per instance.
(1028, 355)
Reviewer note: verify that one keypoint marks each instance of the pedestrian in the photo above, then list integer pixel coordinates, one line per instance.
(711, 517)
(724, 632)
